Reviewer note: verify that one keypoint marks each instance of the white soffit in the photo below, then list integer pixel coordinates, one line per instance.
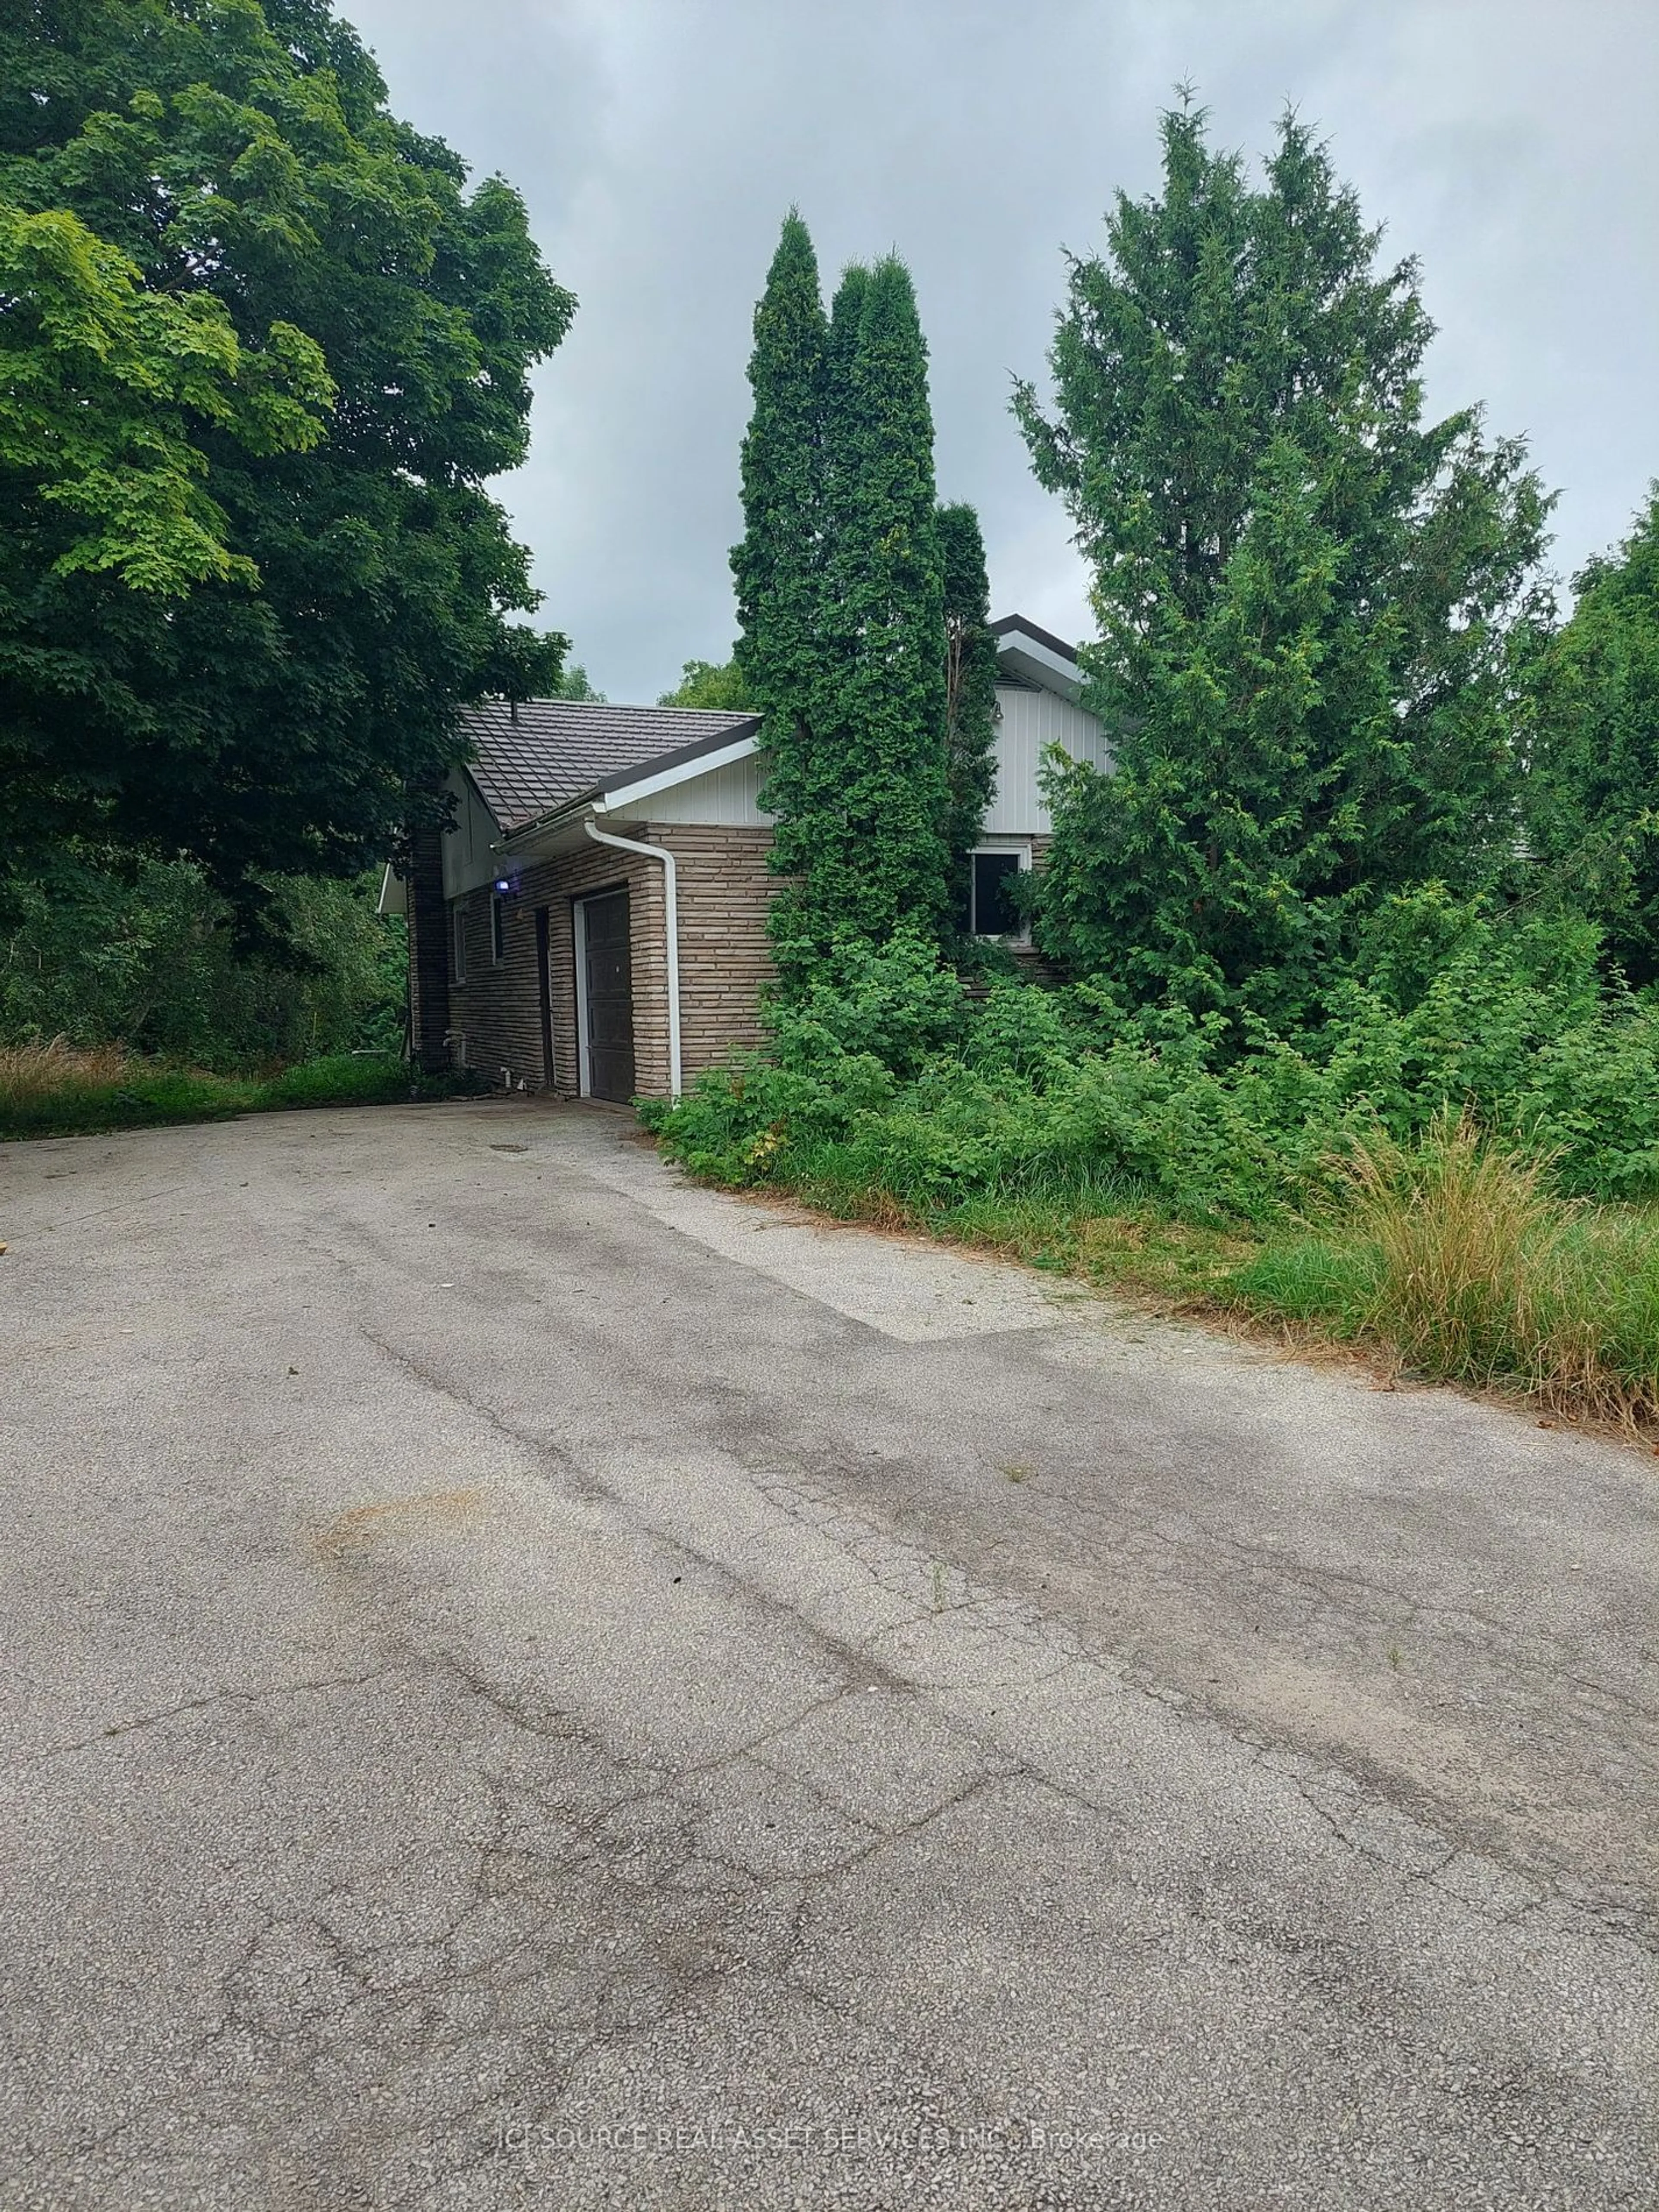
(1021, 654)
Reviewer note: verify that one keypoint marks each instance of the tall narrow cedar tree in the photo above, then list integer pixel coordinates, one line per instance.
(866, 848)
(777, 565)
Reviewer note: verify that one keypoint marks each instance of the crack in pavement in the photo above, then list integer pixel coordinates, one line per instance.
(905, 1572)
(205, 1703)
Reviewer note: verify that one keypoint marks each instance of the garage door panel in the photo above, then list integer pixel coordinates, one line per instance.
(608, 985)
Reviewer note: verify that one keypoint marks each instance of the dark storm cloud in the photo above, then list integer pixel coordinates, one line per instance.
(1508, 142)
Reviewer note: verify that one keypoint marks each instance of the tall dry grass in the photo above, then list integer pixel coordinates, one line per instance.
(1482, 1276)
(1464, 1231)
(56, 1088)
(44, 1068)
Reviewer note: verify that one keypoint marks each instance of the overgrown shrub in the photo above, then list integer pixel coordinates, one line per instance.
(147, 958)
(889, 1078)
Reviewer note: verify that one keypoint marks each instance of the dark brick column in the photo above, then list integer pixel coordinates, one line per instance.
(428, 954)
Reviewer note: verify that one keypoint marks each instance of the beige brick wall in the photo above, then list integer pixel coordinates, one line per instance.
(1031, 962)
(723, 889)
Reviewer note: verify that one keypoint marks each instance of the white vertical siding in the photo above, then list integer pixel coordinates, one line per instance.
(1031, 722)
(728, 795)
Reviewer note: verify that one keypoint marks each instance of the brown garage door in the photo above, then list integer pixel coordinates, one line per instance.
(608, 983)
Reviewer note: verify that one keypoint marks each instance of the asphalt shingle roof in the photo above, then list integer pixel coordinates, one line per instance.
(550, 752)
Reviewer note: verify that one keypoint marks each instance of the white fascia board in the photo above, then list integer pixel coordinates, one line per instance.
(630, 794)
(394, 893)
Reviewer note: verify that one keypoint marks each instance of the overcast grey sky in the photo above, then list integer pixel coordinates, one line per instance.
(1509, 143)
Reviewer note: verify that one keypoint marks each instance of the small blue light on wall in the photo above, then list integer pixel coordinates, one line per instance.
(503, 886)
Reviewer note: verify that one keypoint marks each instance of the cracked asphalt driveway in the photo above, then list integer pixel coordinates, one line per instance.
(534, 1684)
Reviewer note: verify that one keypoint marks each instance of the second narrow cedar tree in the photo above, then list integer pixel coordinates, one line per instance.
(970, 692)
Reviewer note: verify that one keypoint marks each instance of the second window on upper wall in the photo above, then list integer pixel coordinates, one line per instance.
(498, 930)
(994, 913)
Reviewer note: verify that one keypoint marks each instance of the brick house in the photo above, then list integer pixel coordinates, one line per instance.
(594, 923)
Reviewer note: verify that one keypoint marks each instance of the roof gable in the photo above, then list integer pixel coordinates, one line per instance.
(531, 759)
(534, 759)
(1035, 658)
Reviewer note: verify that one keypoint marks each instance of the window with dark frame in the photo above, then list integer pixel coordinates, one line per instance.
(459, 947)
(996, 913)
(498, 930)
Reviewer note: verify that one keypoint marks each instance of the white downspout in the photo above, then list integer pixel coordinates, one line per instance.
(671, 924)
